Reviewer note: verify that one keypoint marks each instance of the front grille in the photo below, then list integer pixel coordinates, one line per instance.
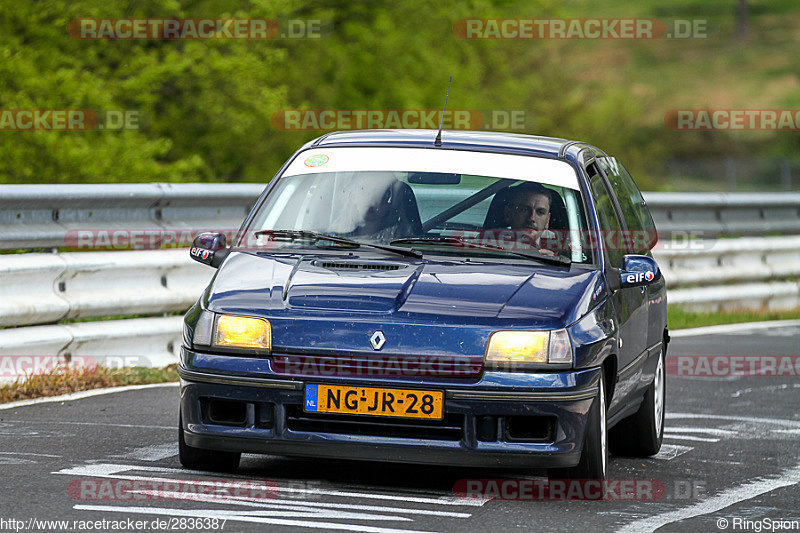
(383, 366)
(450, 428)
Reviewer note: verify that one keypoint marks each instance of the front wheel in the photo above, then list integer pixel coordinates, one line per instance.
(200, 459)
(641, 434)
(594, 454)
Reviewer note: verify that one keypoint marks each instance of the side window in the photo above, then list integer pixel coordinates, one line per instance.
(610, 229)
(637, 217)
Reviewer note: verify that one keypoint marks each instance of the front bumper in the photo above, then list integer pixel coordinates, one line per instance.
(477, 430)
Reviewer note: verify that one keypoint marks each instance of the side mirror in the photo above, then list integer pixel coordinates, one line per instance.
(639, 270)
(209, 249)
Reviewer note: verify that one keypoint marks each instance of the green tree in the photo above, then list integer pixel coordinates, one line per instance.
(201, 103)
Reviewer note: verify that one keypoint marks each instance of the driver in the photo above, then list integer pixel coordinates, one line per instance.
(528, 214)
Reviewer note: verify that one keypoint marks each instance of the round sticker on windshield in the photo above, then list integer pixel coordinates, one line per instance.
(317, 160)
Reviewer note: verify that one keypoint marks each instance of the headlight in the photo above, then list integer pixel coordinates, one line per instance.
(529, 347)
(243, 332)
(231, 331)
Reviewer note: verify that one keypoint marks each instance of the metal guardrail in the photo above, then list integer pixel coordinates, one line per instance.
(719, 214)
(757, 296)
(152, 342)
(44, 288)
(44, 216)
(48, 288)
(748, 272)
(748, 259)
(41, 291)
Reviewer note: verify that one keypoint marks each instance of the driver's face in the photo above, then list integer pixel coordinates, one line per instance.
(529, 212)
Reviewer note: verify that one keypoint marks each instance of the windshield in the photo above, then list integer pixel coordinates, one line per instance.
(450, 205)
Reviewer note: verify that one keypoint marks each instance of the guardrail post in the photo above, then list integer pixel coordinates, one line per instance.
(786, 175)
(730, 173)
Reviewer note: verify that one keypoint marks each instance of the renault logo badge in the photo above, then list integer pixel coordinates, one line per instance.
(377, 340)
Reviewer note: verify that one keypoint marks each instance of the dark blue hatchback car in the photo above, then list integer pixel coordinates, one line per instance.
(489, 299)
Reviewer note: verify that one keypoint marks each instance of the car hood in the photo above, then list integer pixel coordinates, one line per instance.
(323, 303)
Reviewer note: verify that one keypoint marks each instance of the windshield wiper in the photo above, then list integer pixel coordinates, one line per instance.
(457, 241)
(315, 236)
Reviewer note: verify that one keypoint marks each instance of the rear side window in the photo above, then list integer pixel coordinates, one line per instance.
(609, 225)
(641, 228)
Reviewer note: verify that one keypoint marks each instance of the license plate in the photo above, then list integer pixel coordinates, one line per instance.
(374, 401)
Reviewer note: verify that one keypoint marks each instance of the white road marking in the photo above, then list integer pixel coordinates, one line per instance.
(669, 452)
(113, 467)
(753, 419)
(782, 332)
(83, 394)
(169, 470)
(17, 429)
(287, 508)
(710, 431)
(260, 502)
(241, 517)
(16, 461)
(34, 454)
(112, 471)
(732, 328)
(689, 437)
(95, 470)
(49, 422)
(724, 499)
(335, 515)
(782, 386)
(152, 453)
(280, 512)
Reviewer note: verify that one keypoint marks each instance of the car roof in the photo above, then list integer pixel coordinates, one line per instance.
(480, 141)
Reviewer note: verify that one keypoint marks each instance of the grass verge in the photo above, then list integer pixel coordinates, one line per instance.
(64, 380)
(680, 318)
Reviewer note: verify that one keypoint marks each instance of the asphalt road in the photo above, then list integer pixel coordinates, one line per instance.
(731, 453)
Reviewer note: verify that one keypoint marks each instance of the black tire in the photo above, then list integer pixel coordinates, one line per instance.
(594, 454)
(641, 434)
(199, 459)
